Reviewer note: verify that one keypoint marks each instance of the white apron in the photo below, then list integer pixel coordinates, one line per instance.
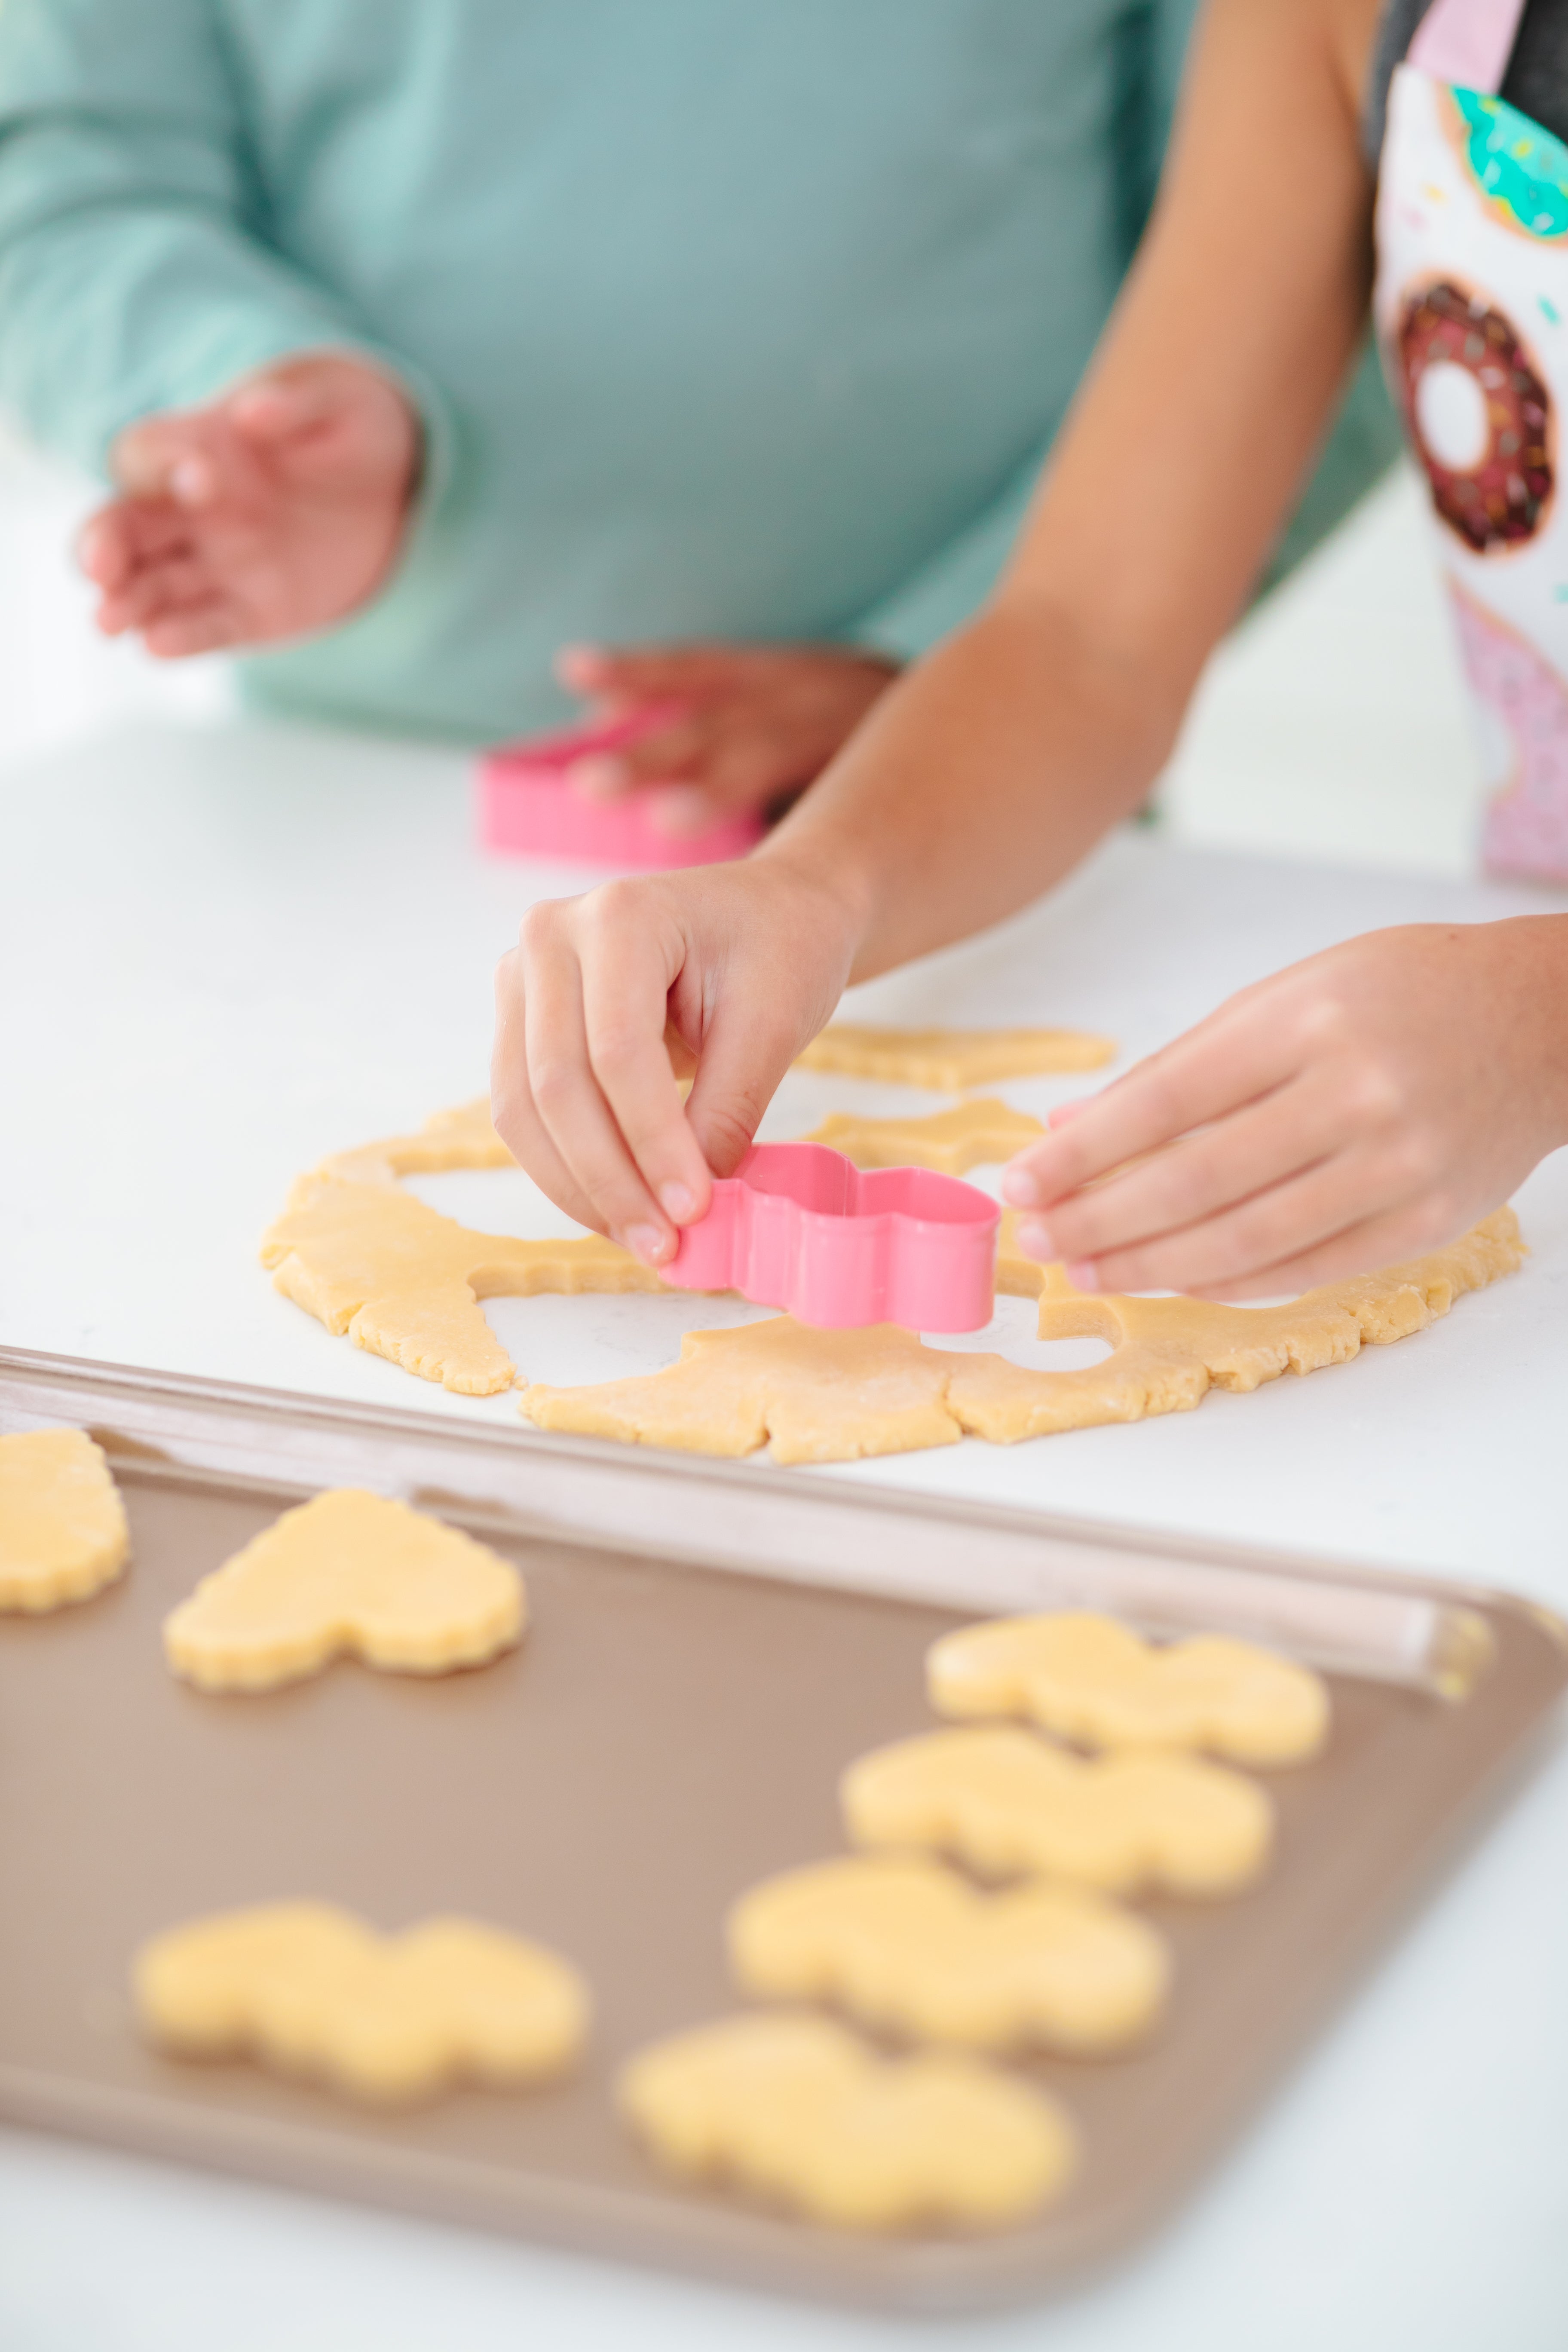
(1471, 312)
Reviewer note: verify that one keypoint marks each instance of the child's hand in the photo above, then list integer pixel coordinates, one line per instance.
(275, 511)
(747, 961)
(1352, 1111)
(754, 723)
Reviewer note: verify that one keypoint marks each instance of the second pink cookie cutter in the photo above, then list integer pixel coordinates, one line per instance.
(801, 1227)
(530, 807)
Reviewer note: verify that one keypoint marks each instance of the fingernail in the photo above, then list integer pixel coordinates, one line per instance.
(189, 482)
(646, 1241)
(599, 778)
(677, 1201)
(1084, 1275)
(1021, 1187)
(1035, 1239)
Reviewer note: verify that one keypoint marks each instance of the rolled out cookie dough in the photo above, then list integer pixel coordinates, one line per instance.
(948, 1060)
(906, 1944)
(397, 1278)
(1090, 1679)
(796, 2108)
(311, 1989)
(63, 1534)
(834, 1396)
(951, 1141)
(1005, 1801)
(347, 1572)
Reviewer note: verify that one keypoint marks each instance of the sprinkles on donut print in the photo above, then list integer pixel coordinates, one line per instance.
(1479, 417)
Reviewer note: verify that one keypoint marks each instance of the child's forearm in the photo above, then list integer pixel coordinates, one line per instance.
(983, 778)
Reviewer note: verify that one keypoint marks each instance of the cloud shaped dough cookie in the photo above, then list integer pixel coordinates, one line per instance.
(799, 2109)
(834, 1396)
(903, 1943)
(399, 1279)
(951, 1059)
(1090, 1679)
(62, 1524)
(346, 1573)
(311, 1990)
(951, 1141)
(1005, 1801)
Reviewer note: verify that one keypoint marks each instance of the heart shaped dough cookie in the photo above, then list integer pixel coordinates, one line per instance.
(798, 2109)
(62, 1524)
(1088, 1678)
(311, 1990)
(1005, 1801)
(348, 1572)
(903, 1943)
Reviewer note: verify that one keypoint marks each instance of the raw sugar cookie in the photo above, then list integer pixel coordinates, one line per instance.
(834, 1396)
(796, 2108)
(1005, 1801)
(62, 1524)
(948, 1060)
(311, 1989)
(972, 1135)
(1090, 1679)
(903, 1943)
(348, 1573)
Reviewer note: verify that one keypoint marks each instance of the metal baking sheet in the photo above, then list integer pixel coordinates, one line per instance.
(671, 1732)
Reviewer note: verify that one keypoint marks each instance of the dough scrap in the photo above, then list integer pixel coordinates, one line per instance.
(951, 1141)
(903, 1943)
(464, 1136)
(63, 1534)
(799, 2109)
(405, 1282)
(311, 1990)
(948, 1060)
(836, 1396)
(1090, 1679)
(1006, 1802)
(351, 1573)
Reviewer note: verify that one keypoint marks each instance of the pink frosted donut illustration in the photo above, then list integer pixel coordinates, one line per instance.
(1526, 824)
(1479, 417)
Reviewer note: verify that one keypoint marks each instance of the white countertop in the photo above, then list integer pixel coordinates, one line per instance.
(227, 951)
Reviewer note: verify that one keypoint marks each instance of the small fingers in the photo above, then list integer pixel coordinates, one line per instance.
(625, 998)
(567, 1095)
(1251, 1239)
(512, 1107)
(1229, 1060)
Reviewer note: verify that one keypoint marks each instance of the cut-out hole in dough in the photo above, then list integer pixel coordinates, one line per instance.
(1011, 1333)
(608, 1336)
(494, 1200)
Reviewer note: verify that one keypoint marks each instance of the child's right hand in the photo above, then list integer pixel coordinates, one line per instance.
(746, 960)
(274, 511)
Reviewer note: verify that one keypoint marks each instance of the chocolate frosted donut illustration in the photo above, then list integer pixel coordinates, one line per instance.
(1480, 415)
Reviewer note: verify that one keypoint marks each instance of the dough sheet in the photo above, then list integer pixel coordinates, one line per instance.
(950, 1060)
(971, 1135)
(836, 1396)
(397, 1278)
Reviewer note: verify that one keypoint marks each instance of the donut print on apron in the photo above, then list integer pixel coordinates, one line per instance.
(1472, 311)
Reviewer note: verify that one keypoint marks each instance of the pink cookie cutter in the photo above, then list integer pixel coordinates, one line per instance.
(529, 808)
(799, 1226)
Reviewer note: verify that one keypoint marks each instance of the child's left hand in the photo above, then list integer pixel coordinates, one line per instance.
(754, 723)
(1349, 1112)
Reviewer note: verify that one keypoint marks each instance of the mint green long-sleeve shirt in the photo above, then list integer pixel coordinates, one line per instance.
(748, 319)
